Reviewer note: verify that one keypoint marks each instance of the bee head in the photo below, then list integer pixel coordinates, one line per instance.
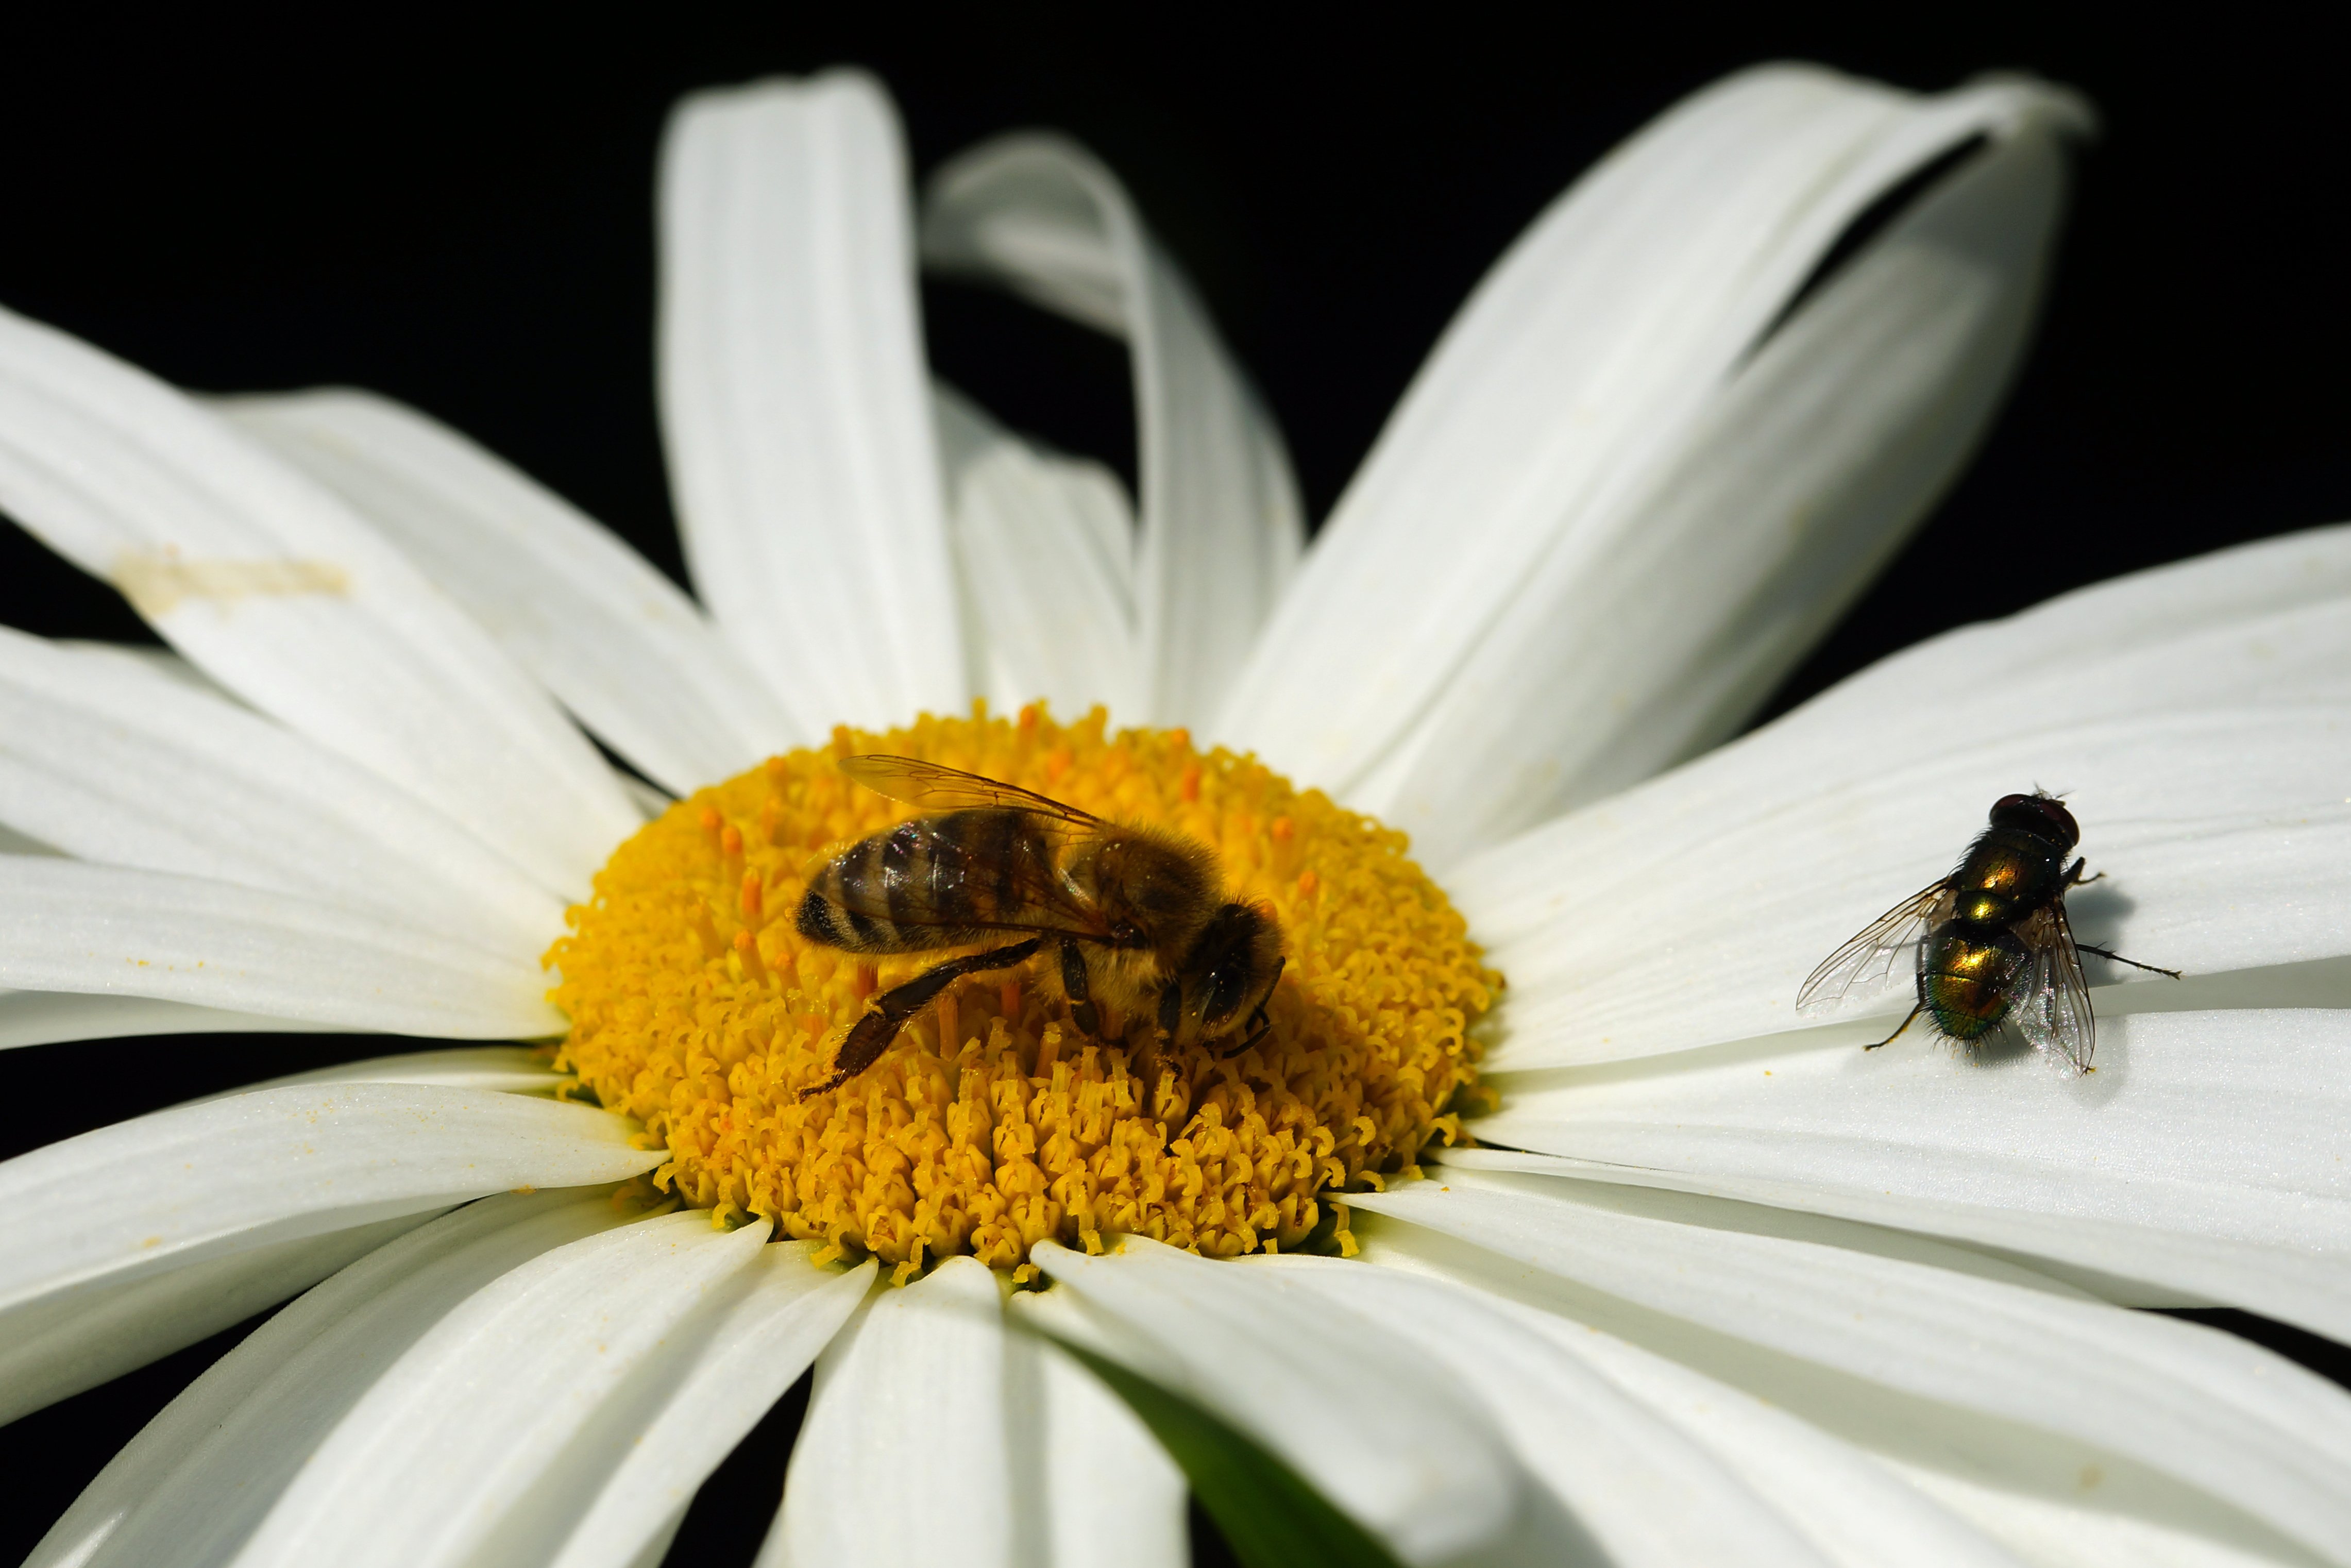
(2042, 816)
(1236, 960)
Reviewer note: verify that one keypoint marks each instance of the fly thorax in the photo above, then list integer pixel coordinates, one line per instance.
(1982, 906)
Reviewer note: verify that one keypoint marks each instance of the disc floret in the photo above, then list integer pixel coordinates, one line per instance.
(992, 1123)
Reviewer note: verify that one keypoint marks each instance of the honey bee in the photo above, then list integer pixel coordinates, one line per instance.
(1134, 918)
(1993, 943)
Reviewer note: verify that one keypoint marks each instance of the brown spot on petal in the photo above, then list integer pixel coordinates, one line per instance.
(159, 581)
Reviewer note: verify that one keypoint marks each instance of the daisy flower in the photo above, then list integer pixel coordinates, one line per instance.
(1538, 1228)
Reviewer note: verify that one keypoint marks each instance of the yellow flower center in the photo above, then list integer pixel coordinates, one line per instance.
(992, 1122)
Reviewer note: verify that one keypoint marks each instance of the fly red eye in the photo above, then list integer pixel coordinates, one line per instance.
(2005, 801)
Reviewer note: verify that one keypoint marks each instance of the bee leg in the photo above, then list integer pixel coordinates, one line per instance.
(871, 1035)
(1890, 1038)
(1255, 1035)
(1258, 1016)
(1171, 1008)
(1082, 1002)
(2117, 957)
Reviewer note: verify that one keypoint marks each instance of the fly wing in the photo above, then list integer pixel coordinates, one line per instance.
(1863, 964)
(967, 887)
(935, 788)
(2054, 1009)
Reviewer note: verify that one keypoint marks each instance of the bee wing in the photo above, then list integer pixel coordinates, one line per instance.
(1027, 892)
(939, 789)
(2054, 1010)
(1863, 964)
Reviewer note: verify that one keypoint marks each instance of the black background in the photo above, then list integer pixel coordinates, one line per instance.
(463, 220)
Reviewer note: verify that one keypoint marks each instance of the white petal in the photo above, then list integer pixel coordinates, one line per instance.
(1355, 1409)
(656, 1548)
(633, 1473)
(1580, 370)
(2204, 1156)
(13, 843)
(42, 1017)
(1856, 1510)
(508, 1069)
(111, 760)
(225, 1176)
(902, 1459)
(2220, 822)
(69, 926)
(2261, 624)
(649, 800)
(2068, 1528)
(153, 661)
(1636, 1490)
(190, 1488)
(2023, 1371)
(1046, 547)
(1735, 552)
(64, 1343)
(427, 1462)
(613, 639)
(1221, 527)
(795, 407)
(282, 595)
(1093, 1485)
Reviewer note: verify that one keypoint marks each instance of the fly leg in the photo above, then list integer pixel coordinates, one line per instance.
(2117, 957)
(1082, 1011)
(2074, 878)
(1906, 1019)
(871, 1035)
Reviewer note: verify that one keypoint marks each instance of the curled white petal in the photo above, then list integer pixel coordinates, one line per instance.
(1584, 373)
(1046, 547)
(1221, 530)
(1656, 635)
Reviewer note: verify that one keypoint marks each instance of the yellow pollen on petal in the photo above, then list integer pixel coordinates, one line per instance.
(992, 1122)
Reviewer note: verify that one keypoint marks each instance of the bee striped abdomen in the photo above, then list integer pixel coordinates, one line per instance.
(936, 881)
